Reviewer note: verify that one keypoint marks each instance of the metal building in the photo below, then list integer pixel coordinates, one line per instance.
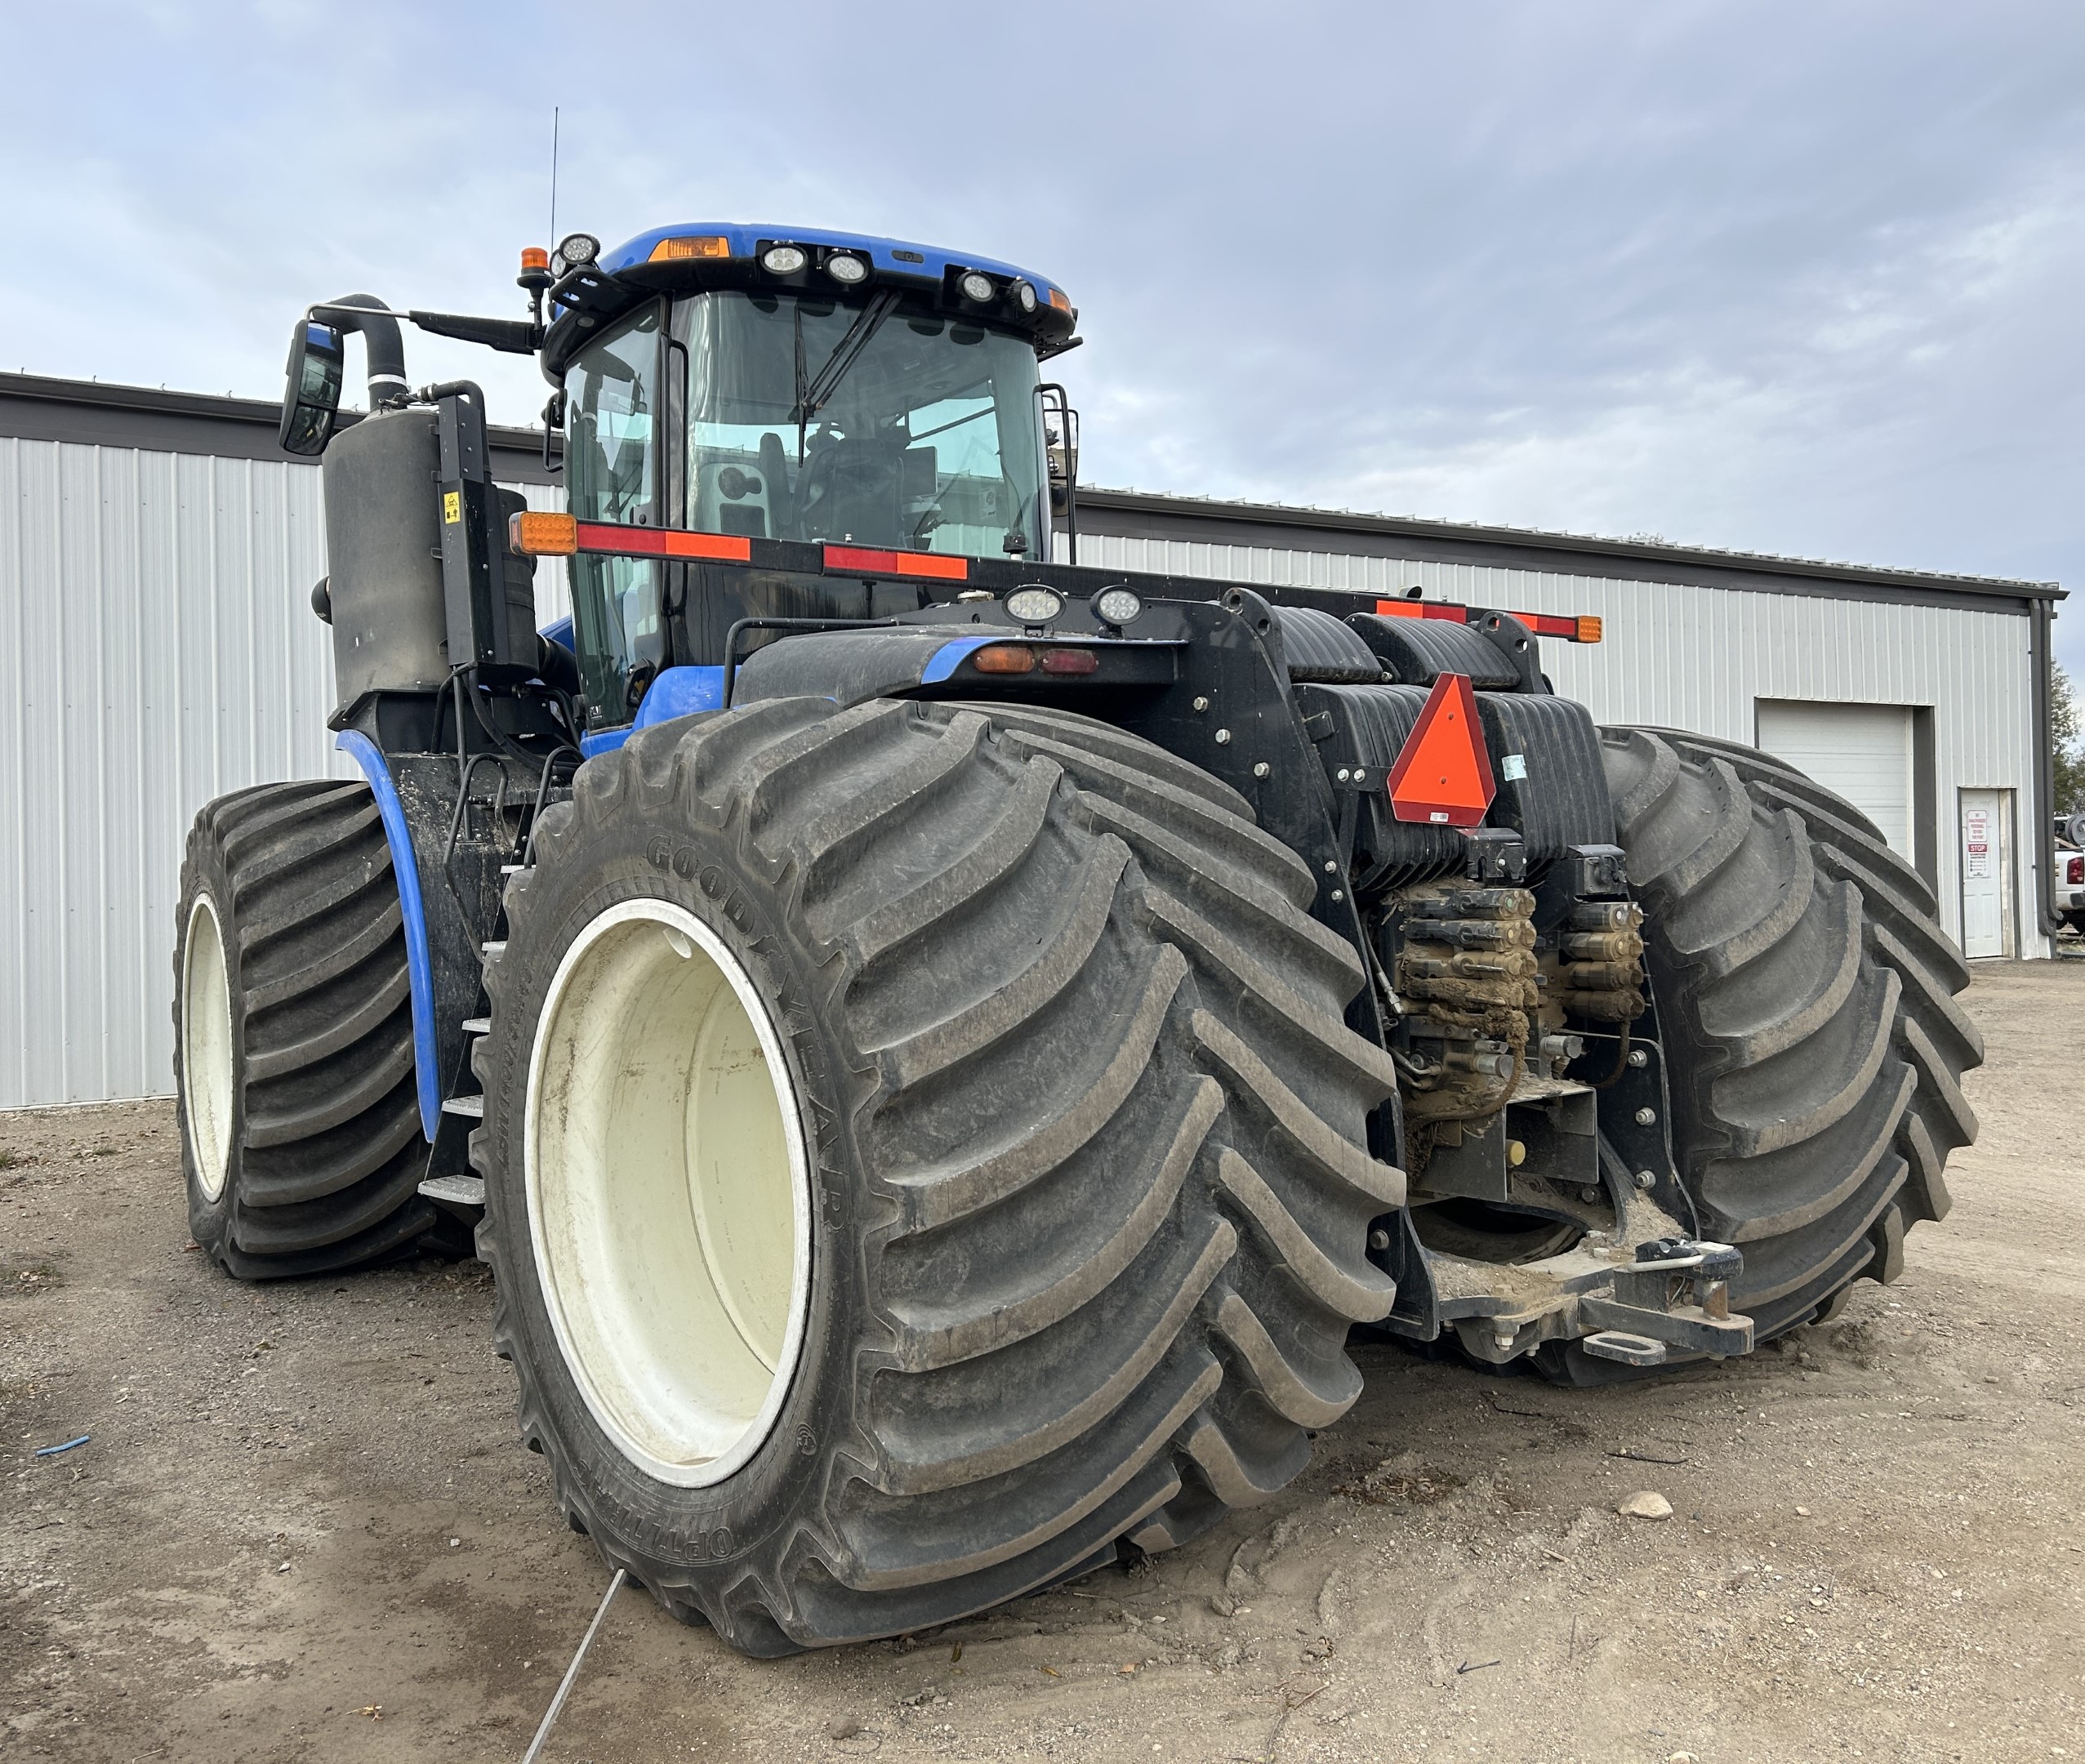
(158, 550)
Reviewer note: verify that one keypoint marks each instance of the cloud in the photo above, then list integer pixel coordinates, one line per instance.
(1797, 278)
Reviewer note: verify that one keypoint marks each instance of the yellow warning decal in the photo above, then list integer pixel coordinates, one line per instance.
(452, 506)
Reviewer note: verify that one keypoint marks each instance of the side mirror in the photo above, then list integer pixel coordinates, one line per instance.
(311, 400)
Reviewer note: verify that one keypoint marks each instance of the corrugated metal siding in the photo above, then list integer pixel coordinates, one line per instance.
(553, 582)
(1699, 658)
(160, 651)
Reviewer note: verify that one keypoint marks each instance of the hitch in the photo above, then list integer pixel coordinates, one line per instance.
(1676, 1295)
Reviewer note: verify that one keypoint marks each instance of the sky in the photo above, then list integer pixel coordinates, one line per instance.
(1801, 279)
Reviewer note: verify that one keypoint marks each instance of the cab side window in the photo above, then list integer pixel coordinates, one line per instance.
(611, 474)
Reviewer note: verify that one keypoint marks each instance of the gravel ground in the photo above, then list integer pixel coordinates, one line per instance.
(304, 1527)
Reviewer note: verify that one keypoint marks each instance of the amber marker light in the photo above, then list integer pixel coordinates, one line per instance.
(530, 535)
(1004, 658)
(1590, 627)
(678, 250)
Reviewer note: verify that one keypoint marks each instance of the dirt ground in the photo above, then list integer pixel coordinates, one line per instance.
(304, 1528)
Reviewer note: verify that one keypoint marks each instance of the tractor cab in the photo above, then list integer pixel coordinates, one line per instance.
(792, 393)
(849, 389)
(816, 388)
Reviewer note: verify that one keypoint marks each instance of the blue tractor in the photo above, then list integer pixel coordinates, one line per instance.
(941, 1046)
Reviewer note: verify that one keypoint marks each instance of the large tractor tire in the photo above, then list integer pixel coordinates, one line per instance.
(922, 1148)
(1814, 1049)
(293, 1063)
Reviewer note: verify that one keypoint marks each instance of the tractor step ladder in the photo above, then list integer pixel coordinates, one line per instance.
(456, 1188)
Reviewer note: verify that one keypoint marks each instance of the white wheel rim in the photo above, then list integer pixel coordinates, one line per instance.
(206, 1046)
(669, 1192)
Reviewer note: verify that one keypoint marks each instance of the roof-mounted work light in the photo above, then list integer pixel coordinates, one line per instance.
(976, 286)
(578, 249)
(846, 269)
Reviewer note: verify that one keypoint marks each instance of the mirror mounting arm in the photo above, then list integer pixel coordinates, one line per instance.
(1060, 424)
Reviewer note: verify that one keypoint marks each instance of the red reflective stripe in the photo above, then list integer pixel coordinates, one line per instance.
(606, 538)
(1542, 624)
(1439, 609)
(629, 541)
(723, 547)
(860, 560)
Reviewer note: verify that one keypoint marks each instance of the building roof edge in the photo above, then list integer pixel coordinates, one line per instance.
(1478, 533)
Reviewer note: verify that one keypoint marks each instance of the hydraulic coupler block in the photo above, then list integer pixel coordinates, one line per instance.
(1468, 953)
(1601, 975)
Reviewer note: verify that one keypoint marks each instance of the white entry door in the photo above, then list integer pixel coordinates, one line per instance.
(1986, 872)
(1862, 751)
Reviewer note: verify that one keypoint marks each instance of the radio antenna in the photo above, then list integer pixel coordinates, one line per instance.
(553, 177)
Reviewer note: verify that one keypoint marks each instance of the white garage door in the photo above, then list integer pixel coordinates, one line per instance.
(1861, 750)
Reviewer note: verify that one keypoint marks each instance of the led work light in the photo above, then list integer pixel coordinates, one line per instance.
(1117, 606)
(1034, 606)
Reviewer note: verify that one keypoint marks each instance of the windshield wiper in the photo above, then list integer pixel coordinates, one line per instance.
(927, 434)
(812, 398)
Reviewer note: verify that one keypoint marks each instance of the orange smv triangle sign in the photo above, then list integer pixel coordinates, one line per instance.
(1443, 773)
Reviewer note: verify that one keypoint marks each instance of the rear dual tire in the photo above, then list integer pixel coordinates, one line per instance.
(1805, 992)
(1081, 1218)
(293, 1054)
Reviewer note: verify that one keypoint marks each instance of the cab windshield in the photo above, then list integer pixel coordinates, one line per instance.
(872, 421)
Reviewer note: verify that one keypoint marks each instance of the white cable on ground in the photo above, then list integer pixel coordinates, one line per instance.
(571, 1671)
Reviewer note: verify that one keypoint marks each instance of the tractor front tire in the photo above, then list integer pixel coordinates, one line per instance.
(1814, 1050)
(922, 1147)
(293, 1055)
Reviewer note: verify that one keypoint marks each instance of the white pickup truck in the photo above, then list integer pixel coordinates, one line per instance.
(2067, 866)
